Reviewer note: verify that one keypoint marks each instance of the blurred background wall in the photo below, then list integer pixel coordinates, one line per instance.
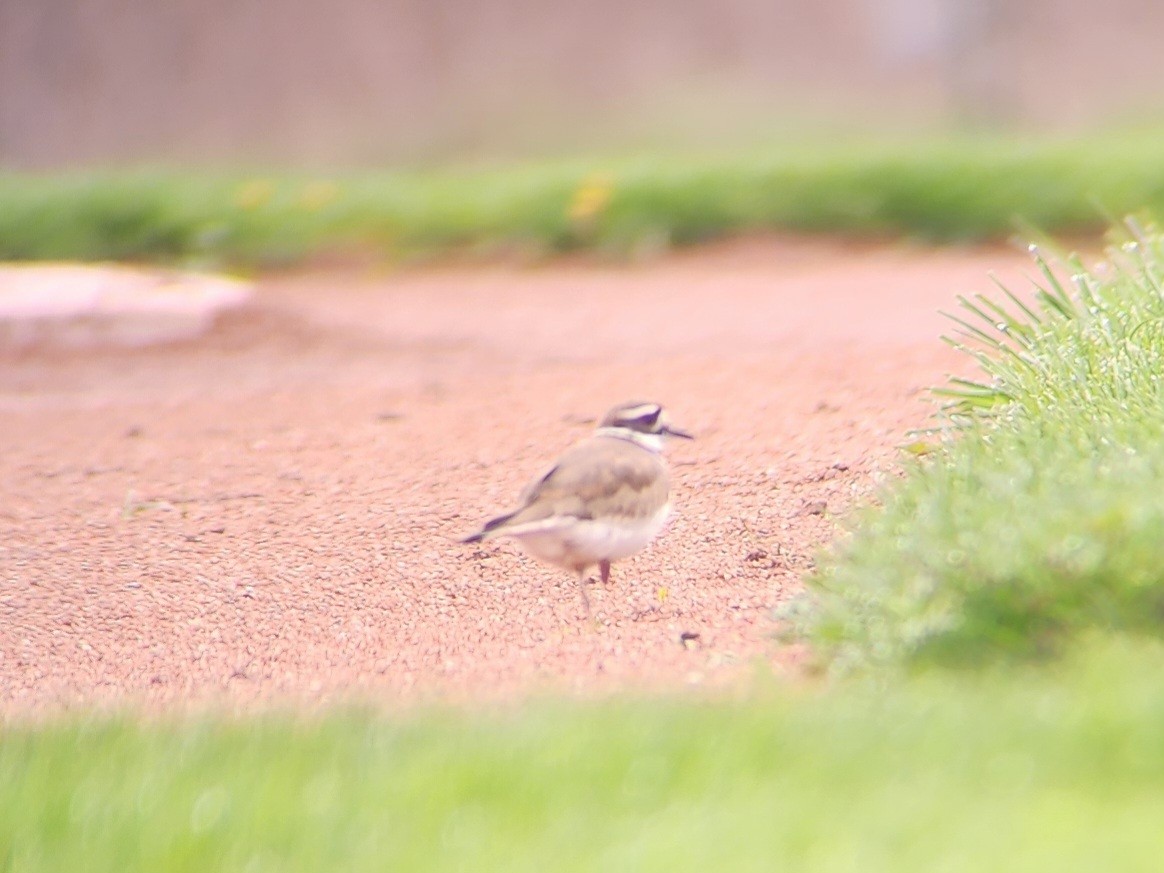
(86, 82)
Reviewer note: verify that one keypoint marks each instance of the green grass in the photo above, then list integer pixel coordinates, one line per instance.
(1027, 770)
(933, 190)
(1041, 515)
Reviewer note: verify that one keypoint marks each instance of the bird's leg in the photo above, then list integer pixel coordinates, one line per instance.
(604, 570)
(582, 589)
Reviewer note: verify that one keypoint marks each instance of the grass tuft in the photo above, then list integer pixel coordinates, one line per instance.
(1041, 515)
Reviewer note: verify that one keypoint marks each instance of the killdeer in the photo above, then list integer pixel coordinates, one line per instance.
(605, 498)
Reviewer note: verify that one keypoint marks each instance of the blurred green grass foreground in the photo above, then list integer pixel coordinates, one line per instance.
(935, 189)
(1022, 770)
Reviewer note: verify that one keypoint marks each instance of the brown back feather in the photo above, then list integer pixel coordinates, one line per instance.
(604, 475)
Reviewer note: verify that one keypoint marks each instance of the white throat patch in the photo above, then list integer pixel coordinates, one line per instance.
(652, 442)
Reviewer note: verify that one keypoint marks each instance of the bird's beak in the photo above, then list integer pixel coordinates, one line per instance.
(668, 430)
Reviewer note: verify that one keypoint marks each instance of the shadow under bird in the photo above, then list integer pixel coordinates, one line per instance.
(604, 499)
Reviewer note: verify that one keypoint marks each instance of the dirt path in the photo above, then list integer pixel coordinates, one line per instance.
(271, 512)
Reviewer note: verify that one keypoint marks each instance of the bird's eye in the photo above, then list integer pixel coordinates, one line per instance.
(651, 418)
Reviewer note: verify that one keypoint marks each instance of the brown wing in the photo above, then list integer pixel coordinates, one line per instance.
(602, 476)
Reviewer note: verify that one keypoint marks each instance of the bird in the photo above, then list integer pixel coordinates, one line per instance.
(604, 499)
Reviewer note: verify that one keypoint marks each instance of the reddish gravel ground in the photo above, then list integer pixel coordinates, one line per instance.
(270, 513)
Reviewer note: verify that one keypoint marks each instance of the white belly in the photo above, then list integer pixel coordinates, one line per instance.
(579, 544)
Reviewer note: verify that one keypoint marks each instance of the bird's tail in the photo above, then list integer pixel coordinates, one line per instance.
(491, 527)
